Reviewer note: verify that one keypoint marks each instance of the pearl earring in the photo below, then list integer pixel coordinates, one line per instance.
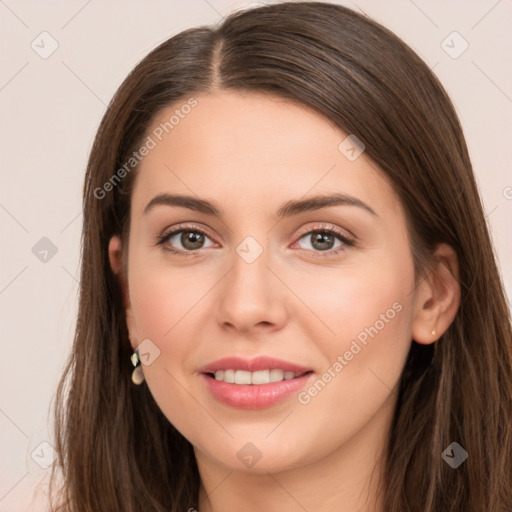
(137, 375)
(434, 332)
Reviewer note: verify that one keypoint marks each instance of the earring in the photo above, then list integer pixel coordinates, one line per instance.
(137, 375)
(434, 332)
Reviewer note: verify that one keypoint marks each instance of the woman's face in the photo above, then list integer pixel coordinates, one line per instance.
(237, 264)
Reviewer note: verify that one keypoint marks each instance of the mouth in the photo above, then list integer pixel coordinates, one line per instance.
(256, 383)
(258, 378)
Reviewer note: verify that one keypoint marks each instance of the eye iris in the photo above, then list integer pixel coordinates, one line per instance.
(192, 240)
(325, 241)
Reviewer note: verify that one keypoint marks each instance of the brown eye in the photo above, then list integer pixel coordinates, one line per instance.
(192, 240)
(184, 241)
(325, 242)
(322, 241)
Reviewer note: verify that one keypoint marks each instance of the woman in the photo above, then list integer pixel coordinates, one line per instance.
(289, 298)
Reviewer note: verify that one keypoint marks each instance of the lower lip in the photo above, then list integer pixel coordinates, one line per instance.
(246, 396)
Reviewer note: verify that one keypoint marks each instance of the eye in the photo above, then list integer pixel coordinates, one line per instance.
(325, 240)
(184, 241)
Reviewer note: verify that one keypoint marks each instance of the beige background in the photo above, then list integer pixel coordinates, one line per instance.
(51, 109)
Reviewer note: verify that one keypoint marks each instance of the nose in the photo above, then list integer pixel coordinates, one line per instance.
(251, 298)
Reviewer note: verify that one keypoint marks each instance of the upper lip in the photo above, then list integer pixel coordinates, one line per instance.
(253, 365)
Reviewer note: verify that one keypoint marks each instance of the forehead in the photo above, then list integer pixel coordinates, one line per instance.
(250, 150)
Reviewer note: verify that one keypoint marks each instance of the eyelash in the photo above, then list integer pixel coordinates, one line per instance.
(346, 241)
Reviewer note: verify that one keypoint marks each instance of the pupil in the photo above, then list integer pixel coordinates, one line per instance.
(324, 240)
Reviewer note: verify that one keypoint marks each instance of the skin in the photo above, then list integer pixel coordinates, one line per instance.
(250, 153)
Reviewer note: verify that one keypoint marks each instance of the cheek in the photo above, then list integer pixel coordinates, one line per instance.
(363, 300)
(162, 296)
(361, 326)
(369, 310)
(165, 301)
(170, 304)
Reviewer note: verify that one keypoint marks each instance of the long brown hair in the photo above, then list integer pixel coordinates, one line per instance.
(116, 450)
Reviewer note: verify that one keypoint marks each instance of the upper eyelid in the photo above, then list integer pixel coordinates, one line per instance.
(184, 227)
(344, 233)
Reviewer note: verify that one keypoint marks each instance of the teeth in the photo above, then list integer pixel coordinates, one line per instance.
(276, 375)
(242, 377)
(259, 377)
(229, 376)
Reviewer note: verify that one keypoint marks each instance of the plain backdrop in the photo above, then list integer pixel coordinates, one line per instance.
(51, 105)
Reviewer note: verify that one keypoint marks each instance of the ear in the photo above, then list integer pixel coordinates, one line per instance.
(115, 255)
(437, 298)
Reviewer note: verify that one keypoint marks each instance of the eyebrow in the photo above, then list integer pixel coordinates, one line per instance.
(292, 207)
